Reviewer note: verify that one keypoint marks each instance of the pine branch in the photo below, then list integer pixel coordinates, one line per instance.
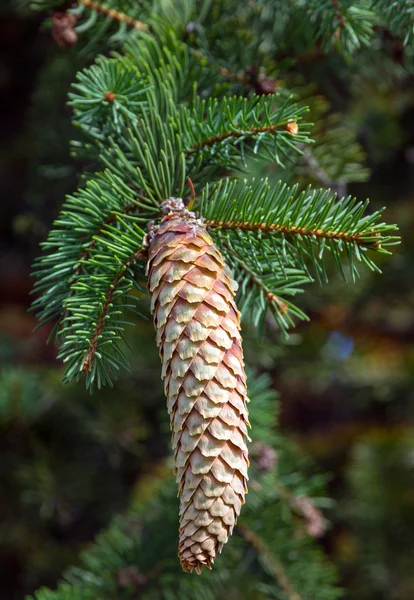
(111, 293)
(264, 284)
(359, 238)
(120, 17)
(94, 237)
(304, 224)
(252, 132)
(106, 98)
(140, 26)
(110, 220)
(222, 132)
(199, 140)
(342, 24)
(274, 300)
(93, 320)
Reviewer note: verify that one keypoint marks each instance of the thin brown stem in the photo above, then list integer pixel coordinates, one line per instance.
(273, 563)
(108, 221)
(339, 14)
(291, 127)
(274, 299)
(90, 355)
(115, 15)
(85, 253)
(293, 230)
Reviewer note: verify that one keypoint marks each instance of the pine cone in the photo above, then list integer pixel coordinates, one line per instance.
(198, 333)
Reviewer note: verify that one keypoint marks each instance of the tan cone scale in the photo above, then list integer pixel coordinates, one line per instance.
(198, 335)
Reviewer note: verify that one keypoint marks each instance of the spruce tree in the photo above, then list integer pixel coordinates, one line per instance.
(215, 178)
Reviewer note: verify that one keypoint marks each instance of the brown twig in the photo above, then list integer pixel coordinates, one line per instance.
(108, 221)
(339, 14)
(293, 230)
(85, 253)
(115, 15)
(273, 563)
(216, 139)
(275, 300)
(90, 355)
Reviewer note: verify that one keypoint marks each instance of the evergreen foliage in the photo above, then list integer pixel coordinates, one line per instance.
(157, 139)
(184, 102)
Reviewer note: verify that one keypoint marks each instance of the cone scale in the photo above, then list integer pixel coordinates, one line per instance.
(198, 334)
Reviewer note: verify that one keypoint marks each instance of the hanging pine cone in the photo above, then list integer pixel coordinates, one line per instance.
(198, 334)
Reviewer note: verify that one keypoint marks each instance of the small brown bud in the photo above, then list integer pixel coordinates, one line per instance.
(110, 96)
(292, 127)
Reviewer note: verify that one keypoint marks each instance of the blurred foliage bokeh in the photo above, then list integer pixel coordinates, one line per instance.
(70, 461)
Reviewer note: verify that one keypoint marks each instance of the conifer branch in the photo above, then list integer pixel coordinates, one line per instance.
(275, 301)
(263, 280)
(357, 238)
(90, 355)
(115, 15)
(225, 130)
(313, 221)
(146, 124)
(129, 208)
(290, 127)
(344, 26)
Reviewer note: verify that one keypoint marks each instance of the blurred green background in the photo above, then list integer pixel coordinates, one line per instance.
(69, 461)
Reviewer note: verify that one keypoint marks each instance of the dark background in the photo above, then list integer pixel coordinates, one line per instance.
(69, 462)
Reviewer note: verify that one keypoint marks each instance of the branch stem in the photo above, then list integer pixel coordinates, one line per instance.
(114, 14)
(293, 230)
(274, 300)
(216, 139)
(90, 355)
(339, 15)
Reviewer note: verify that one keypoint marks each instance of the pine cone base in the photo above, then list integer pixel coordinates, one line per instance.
(198, 334)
